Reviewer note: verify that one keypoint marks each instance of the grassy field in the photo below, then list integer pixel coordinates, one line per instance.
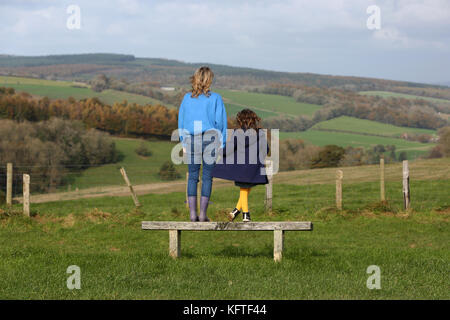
(279, 105)
(386, 94)
(66, 89)
(233, 109)
(120, 261)
(321, 138)
(143, 170)
(139, 169)
(355, 125)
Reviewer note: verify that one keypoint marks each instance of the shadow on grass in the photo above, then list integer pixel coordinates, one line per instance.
(242, 251)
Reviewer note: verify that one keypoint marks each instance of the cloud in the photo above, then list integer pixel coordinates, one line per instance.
(131, 7)
(328, 36)
(395, 38)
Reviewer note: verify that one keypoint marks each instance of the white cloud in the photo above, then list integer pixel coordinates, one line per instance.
(284, 35)
(131, 7)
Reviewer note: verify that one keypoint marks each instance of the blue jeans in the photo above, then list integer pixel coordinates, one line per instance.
(196, 160)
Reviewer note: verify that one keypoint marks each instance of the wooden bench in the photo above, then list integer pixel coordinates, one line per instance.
(278, 229)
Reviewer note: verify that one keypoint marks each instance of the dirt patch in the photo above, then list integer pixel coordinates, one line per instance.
(403, 215)
(222, 215)
(97, 215)
(68, 221)
(443, 210)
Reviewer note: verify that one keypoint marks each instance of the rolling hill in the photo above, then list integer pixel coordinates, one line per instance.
(267, 105)
(361, 126)
(77, 90)
(173, 72)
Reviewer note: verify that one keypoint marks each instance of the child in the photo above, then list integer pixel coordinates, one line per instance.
(245, 173)
(205, 109)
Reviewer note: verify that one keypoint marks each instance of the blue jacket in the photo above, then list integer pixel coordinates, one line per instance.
(245, 172)
(210, 111)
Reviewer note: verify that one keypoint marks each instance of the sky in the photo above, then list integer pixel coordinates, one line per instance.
(411, 41)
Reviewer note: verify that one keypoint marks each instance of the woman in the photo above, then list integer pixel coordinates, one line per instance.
(201, 111)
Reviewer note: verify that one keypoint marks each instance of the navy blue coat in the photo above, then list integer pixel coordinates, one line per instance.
(246, 172)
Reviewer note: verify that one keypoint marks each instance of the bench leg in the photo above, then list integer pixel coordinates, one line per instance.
(278, 240)
(175, 243)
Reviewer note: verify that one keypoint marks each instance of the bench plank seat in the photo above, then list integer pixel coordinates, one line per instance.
(228, 226)
(278, 228)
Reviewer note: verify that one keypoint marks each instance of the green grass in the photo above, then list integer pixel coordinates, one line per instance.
(139, 169)
(355, 125)
(321, 138)
(142, 170)
(120, 261)
(233, 109)
(387, 94)
(277, 104)
(66, 89)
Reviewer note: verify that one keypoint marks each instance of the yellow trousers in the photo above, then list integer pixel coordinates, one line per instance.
(243, 199)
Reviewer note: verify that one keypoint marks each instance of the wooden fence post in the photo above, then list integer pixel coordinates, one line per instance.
(187, 181)
(406, 191)
(127, 181)
(199, 194)
(269, 186)
(9, 182)
(382, 191)
(26, 195)
(339, 177)
(175, 243)
(278, 244)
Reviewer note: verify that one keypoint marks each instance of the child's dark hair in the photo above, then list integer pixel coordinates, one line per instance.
(247, 119)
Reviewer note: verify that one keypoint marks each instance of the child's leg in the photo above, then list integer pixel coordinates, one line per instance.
(244, 198)
(239, 203)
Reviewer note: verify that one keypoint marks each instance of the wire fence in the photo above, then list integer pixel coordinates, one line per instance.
(313, 189)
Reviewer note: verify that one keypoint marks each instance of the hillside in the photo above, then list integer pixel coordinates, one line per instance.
(77, 90)
(361, 126)
(173, 72)
(343, 131)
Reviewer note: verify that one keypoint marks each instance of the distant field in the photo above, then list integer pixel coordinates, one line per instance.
(139, 169)
(274, 104)
(386, 94)
(350, 124)
(233, 109)
(143, 170)
(66, 89)
(322, 138)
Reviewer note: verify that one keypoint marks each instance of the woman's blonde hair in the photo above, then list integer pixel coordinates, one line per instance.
(201, 81)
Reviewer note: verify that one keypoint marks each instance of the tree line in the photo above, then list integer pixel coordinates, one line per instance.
(146, 88)
(128, 119)
(417, 113)
(49, 149)
(297, 154)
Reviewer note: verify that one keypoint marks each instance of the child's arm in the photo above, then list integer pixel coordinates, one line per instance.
(181, 121)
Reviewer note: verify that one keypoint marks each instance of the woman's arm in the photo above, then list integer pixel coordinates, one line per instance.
(181, 120)
(221, 119)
